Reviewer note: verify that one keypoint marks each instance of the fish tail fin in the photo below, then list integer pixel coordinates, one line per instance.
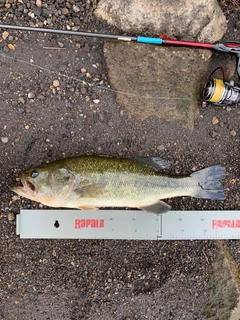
(208, 183)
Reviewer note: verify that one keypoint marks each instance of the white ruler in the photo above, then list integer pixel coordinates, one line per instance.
(128, 224)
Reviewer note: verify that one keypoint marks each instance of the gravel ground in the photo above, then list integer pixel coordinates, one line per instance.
(52, 107)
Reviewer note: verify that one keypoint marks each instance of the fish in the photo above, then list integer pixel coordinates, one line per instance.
(91, 182)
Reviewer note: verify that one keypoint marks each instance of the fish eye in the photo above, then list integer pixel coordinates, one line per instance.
(34, 174)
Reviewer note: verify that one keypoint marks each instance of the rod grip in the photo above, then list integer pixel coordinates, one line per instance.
(149, 40)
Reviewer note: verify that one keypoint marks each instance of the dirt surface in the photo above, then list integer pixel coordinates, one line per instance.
(42, 120)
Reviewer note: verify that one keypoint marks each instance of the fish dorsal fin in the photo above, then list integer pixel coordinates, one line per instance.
(155, 162)
(158, 207)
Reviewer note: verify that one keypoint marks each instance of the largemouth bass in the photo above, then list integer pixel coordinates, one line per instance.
(91, 182)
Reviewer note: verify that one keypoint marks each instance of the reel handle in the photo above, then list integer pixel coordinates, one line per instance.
(238, 65)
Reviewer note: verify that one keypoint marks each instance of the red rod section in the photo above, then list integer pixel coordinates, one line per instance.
(228, 44)
(188, 43)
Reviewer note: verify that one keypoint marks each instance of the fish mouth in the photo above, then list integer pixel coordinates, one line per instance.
(27, 188)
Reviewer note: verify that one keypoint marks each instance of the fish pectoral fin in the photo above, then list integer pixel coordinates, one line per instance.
(158, 207)
(88, 208)
(88, 191)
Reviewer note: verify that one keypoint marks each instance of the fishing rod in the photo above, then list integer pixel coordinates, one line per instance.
(216, 91)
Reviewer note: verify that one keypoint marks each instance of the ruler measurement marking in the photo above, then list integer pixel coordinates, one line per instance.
(128, 224)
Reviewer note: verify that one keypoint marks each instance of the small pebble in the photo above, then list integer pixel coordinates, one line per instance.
(5, 35)
(214, 134)
(18, 255)
(233, 133)
(4, 139)
(161, 148)
(83, 90)
(56, 83)
(31, 95)
(215, 120)
(65, 11)
(21, 100)
(11, 46)
(40, 96)
(86, 47)
(37, 11)
(11, 216)
(62, 67)
(101, 118)
(60, 44)
(76, 8)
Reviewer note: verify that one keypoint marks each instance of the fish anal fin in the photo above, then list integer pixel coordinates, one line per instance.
(157, 207)
(154, 162)
(88, 208)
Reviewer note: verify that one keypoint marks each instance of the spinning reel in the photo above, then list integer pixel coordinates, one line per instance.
(220, 92)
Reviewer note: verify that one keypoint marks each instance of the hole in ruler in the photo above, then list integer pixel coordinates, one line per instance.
(56, 224)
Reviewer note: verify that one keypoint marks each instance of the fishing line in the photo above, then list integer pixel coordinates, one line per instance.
(88, 83)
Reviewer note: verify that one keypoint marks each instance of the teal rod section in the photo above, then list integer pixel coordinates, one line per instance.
(149, 40)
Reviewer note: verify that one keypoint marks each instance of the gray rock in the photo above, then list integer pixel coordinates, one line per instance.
(163, 82)
(201, 20)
